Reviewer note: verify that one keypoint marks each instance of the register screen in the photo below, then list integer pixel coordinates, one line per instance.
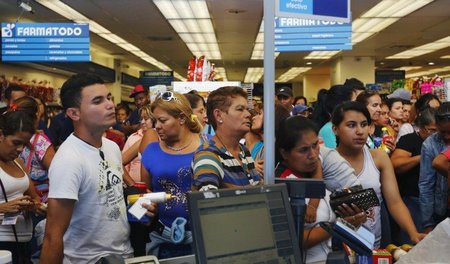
(237, 226)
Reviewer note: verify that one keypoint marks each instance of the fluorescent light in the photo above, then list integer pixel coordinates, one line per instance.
(292, 73)
(128, 47)
(395, 8)
(320, 55)
(360, 36)
(258, 49)
(178, 25)
(372, 24)
(179, 77)
(96, 28)
(63, 9)
(382, 15)
(71, 14)
(421, 50)
(139, 53)
(112, 38)
(429, 72)
(253, 75)
(445, 57)
(192, 17)
(408, 68)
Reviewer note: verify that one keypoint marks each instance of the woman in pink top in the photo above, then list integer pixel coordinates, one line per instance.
(147, 122)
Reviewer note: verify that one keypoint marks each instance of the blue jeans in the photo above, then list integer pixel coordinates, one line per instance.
(401, 237)
(168, 250)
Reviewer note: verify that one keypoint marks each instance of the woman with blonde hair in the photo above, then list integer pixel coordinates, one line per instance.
(166, 167)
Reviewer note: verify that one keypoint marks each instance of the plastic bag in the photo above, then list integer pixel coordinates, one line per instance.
(434, 248)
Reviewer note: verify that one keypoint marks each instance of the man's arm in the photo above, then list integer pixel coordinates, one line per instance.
(441, 163)
(58, 220)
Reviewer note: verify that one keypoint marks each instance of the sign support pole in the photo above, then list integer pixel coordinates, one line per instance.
(269, 92)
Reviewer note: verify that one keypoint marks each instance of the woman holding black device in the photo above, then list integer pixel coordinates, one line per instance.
(351, 122)
(18, 197)
(298, 144)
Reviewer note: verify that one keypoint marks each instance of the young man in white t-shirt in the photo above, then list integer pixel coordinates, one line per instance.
(86, 217)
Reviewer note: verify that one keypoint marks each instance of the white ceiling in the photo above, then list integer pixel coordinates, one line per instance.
(141, 24)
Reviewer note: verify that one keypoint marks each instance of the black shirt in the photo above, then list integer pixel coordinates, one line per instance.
(408, 181)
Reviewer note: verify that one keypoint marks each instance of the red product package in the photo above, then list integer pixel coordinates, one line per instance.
(191, 69)
(378, 256)
(199, 68)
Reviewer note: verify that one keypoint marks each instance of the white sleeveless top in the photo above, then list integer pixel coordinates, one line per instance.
(369, 177)
(15, 187)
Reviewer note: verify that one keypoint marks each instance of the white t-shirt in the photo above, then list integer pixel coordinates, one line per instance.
(99, 224)
(405, 129)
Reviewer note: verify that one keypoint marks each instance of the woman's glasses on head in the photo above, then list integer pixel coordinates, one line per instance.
(168, 96)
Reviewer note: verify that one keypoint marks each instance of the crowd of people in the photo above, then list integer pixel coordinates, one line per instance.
(78, 181)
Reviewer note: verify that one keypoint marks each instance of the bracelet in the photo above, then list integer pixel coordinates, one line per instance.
(315, 208)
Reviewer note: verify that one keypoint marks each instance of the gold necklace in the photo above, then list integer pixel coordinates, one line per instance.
(179, 149)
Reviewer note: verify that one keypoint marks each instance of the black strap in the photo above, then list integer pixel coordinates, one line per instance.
(13, 226)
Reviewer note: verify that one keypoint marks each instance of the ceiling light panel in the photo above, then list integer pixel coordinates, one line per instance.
(382, 15)
(95, 27)
(424, 49)
(253, 74)
(179, 77)
(192, 17)
(429, 72)
(395, 8)
(292, 73)
(379, 17)
(128, 47)
(408, 68)
(258, 49)
(317, 55)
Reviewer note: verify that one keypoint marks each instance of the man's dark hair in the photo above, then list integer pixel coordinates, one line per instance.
(327, 101)
(12, 88)
(71, 90)
(423, 102)
(124, 107)
(442, 114)
(355, 84)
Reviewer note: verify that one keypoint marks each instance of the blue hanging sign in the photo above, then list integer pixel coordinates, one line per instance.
(152, 78)
(299, 34)
(32, 42)
(330, 10)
